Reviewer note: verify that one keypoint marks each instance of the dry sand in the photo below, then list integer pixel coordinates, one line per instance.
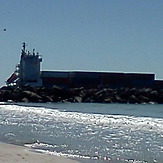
(17, 154)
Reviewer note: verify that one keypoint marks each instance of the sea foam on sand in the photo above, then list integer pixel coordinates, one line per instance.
(18, 154)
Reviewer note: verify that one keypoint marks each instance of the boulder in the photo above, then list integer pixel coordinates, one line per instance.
(133, 99)
(31, 96)
(46, 98)
(144, 99)
(77, 99)
(119, 99)
(25, 100)
(107, 100)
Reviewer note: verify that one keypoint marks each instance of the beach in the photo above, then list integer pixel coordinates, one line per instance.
(19, 154)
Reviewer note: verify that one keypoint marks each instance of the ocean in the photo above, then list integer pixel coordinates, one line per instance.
(89, 132)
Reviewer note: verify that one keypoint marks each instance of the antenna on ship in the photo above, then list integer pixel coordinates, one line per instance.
(24, 45)
(23, 50)
(33, 51)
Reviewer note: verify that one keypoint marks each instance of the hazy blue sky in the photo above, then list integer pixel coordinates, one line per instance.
(103, 35)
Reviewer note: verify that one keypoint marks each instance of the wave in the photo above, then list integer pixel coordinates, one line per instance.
(50, 115)
(83, 135)
(45, 148)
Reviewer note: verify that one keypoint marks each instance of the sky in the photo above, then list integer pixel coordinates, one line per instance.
(94, 35)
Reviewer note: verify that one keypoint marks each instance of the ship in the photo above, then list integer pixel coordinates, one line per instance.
(28, 72)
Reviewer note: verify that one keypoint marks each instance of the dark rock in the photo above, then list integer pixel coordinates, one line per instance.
(77, 99)
(76, 91)
(154, 95)
(144, 99)
(28, 88)
(60, 92)
(101, 95)
(159, 99)
(107, 100)
(25, 100)
(88, 95)
(6, 95)
(119, 99)
(70, 100)
(124, 93)
(42, 91)
(133, 99)
(46, 98)
(144, 92)
(31, 96)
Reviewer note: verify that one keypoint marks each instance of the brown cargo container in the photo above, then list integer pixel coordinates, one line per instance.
(96, 79)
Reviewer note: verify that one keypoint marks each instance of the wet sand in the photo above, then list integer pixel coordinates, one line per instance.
(18, 154)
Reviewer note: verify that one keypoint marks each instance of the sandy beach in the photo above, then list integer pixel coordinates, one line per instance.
(18, 154)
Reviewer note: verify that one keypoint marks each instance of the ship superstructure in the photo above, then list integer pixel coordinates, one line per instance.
(28, 70)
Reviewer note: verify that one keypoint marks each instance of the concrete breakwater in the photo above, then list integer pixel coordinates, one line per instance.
(99, 95)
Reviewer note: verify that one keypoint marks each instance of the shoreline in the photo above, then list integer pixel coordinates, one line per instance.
(19, 154)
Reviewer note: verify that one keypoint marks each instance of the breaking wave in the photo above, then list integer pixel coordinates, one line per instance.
(83, 134)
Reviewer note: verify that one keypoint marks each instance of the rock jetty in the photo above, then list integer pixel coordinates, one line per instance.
(94, 95)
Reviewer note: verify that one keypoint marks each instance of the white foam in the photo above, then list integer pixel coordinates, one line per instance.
(101, 134)
(41, 114)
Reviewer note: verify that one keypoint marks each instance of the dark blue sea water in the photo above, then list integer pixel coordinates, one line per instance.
(95, 133)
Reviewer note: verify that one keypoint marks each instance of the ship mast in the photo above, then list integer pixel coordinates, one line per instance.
(23, 50)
